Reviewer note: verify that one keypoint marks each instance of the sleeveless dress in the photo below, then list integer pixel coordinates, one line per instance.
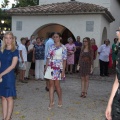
(56, 56)
(116, 101)
(85, 62)
(7, 86)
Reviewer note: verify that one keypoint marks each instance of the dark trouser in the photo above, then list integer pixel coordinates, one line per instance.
(103, 68)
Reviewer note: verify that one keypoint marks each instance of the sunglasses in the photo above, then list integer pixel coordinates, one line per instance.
(85, 41)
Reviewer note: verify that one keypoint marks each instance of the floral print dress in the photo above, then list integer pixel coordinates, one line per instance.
(56, 55)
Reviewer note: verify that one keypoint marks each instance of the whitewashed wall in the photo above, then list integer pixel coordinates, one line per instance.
(75, 23)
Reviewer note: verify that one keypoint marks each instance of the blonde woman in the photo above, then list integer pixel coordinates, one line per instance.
(113, 107)
(8, 59)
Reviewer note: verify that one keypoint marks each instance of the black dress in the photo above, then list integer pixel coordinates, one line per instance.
(116, 100)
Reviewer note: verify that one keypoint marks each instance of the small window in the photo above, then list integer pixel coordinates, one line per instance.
(89, 26)
(19, 25)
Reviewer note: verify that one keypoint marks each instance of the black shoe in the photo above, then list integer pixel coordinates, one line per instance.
(23, 81)
(46, 89)
(107, 75)
(66, 72)
(102, 75)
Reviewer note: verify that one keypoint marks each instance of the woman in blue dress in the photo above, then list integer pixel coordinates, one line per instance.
(8, 61)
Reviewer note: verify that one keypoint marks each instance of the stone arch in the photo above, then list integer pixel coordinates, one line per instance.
(44, 30)
(104, 35)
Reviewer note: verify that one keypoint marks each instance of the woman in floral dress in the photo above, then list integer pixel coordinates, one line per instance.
(71, 48)
(55, 69)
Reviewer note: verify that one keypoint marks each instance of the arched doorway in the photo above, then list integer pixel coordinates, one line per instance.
(104, 35)
(44, 31)
(66, 34)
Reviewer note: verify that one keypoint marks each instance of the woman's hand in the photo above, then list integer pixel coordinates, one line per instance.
(62, 74)
(33, 60)
(0, 76)
(45, 69)
(108, 113)
(118, 34)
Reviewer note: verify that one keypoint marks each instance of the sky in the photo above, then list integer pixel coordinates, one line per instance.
(10, 3)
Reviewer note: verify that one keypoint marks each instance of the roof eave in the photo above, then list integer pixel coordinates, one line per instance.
(108, 16)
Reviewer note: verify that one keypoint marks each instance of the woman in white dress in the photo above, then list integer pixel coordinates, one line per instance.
(55, 69)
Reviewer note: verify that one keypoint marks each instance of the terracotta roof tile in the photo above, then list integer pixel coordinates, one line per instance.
(61, 8)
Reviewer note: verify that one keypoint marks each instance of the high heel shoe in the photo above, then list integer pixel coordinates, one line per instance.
(85, 94)
(50, 107)
(60, 106)
(82, 94)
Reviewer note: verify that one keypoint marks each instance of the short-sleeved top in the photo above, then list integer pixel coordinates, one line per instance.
(78, 44)
(7, 86)
(104, 52)
(114, 51)
(70, 47)
(39, 52)
(24, 52)
(94, 47)
(56, 56)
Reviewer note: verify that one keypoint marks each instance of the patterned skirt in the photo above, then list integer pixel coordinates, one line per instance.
(85, 68)
(53, 74)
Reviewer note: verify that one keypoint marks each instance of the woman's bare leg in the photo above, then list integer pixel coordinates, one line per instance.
(83, 84)
(51, 92)
(86, 83)
(59, 91)
(23, 74)
(4, 107)
(10, 104)
(20, 75)
(67, 66)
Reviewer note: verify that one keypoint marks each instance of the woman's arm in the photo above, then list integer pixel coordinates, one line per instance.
(80, 59)
(114, 89)
(74, 49)
(33, 58)
(31, 50)
(21, 56)
(11, 67)
(47, 62)
(64, 65)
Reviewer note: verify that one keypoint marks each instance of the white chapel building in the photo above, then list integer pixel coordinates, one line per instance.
(97, 19)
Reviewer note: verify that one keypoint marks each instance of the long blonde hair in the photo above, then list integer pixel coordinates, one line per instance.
(13, 44)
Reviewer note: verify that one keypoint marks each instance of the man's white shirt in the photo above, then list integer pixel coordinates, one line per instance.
(104, 52)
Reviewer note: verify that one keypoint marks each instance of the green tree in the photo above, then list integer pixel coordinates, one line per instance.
(24, 3)
(5, 3)
(6, 26)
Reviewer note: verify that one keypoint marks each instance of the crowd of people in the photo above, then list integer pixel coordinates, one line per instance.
(50, 60)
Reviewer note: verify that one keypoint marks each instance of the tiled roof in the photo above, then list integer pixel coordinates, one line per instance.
(68, 8)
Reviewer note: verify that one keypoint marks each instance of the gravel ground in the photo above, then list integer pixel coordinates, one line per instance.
(32, 100)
